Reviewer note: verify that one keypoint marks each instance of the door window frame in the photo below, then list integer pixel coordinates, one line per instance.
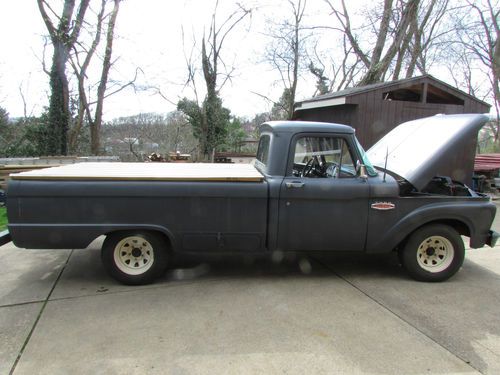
(293, 144)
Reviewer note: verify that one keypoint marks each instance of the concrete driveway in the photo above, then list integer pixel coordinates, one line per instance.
(60, 314)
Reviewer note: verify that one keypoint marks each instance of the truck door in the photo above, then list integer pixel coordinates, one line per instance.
(323, 202)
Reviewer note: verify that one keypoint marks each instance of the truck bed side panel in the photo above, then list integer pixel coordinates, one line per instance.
(196, 216)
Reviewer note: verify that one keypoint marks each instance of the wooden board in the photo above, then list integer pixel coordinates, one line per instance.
(145, 172)
(7, 170)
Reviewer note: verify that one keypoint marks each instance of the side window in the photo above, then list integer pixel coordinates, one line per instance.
(263, 150)
(323, 157)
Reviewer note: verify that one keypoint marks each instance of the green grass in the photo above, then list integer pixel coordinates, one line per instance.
(3, 218)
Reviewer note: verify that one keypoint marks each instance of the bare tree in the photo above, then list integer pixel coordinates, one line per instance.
(210, 119)
(101, 90)
(475, 54)
(392, 30)
(80, 53)
(321, 78)
(80, 71)
(461, 69)
(63, 37)
(90, 110)
(338, 73)
(26, 114)
(286, 53)
(396, 38)
(429, 36)
(483, 41)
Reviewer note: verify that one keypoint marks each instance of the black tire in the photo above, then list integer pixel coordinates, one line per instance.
(135, 258)
(434, 252)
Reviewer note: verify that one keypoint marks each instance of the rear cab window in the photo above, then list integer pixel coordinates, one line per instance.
(263, 152)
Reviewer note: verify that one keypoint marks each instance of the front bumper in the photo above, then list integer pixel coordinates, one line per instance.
(492, 238)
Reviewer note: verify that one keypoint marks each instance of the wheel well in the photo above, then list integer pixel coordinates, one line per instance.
(163, 235)
(458, 225)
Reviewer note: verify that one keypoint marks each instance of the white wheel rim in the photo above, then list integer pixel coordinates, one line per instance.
(133, 255)
(435, 254)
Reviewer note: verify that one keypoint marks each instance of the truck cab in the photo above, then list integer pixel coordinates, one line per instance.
(316, 184)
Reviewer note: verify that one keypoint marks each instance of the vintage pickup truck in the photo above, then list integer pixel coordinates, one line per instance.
(312, 188)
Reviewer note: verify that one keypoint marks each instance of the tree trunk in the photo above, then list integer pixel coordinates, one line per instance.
(59, 115)
(496, 75)
(208, 124)
(416, 52)
(296, 57)
(63, 38)
(382, 34)
(404, 49)
(81, 75)
(379, 68)
(95, 130)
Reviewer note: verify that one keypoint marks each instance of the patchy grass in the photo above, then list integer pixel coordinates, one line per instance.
(3, 218)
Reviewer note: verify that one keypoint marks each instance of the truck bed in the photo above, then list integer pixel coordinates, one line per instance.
(145, 172)
(199, 207)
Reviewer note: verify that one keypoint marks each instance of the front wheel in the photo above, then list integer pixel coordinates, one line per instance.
(134, 258)
(433, 253)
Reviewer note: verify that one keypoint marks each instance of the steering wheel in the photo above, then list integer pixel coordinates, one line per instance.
(309, 167)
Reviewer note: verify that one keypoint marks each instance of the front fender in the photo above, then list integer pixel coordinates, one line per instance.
(476, 216)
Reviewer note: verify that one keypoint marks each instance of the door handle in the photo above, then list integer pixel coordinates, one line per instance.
(294, 184)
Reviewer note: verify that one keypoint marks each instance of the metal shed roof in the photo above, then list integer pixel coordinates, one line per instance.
(487, 162)
(338, 98)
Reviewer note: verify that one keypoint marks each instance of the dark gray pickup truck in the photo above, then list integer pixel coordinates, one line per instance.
(312, 188)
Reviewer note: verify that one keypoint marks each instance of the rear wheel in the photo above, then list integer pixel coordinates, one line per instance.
(135, 258)
(433, 253)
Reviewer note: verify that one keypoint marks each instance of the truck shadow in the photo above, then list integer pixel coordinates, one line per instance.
(290, 265)
(85, 266)
(85, 275)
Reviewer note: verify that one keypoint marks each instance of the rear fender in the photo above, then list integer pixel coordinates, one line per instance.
(73, 236)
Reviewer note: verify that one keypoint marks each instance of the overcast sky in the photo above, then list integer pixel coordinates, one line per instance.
(148, 37)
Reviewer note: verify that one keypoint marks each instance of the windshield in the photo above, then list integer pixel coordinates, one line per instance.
(364, 158)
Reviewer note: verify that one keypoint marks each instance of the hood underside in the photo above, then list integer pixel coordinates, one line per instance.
(418, 150)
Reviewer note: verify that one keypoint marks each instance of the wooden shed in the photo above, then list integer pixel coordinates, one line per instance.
(374, 110)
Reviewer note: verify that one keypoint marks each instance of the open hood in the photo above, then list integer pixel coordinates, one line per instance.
(418, 150)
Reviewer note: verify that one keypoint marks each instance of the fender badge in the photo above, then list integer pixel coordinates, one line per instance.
(383, 206)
